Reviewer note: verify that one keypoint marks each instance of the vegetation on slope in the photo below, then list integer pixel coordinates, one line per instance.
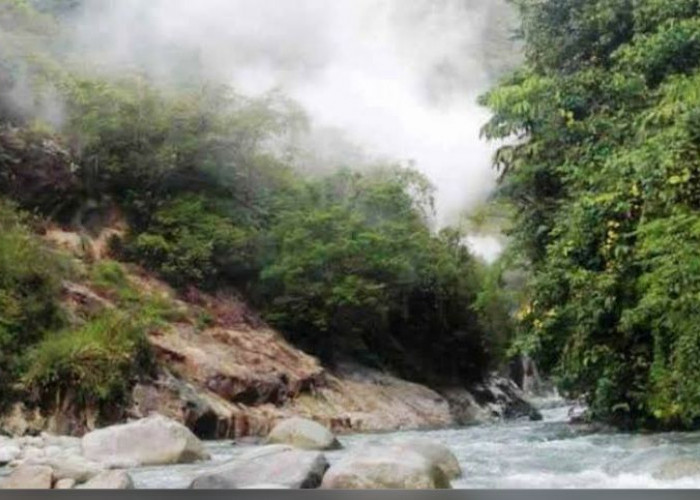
(603, 168)
(346, 265)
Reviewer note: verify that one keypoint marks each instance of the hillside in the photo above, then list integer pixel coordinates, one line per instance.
(226, 374)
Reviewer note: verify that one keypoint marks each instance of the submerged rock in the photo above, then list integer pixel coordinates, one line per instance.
(154, 440)
(29, 477)
(109, 480)
(379, 468)
(304, 434)
(278, 465)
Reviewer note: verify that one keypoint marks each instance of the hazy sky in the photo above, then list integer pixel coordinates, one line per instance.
(398, 77)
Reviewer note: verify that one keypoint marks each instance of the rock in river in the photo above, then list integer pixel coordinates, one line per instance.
(304, 434)
(436, 454)
(69, 466)
(9, 451)
(109, 480)
(381, 468)
(29, 477)
(279, 465)
(155, 440)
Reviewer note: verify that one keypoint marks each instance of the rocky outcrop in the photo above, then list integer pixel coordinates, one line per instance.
(233, 376)
(497, 398)
(381, 468)
(304, 434)
(279, 465)
(152, 441)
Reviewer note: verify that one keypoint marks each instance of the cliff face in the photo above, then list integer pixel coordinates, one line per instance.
(226, 374)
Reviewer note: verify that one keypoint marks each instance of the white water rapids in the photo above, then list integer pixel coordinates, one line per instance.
(519, 455)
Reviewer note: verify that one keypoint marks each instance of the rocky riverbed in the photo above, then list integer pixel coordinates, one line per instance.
(551, 453)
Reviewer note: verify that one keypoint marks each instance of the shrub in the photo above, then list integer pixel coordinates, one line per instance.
(187, 242)
(29, 289)
(97, 362)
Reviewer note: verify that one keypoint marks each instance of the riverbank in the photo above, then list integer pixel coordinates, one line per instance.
(226, 374)
(550, 454)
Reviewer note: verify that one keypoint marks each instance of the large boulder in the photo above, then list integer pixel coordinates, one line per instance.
(382, 468)
(109, 480)
(436, 454)
(29, 477)
(154, 440)
(304, 434)
(278, 465)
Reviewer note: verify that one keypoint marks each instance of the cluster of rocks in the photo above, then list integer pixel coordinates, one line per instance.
(100, 459)
(292, 458)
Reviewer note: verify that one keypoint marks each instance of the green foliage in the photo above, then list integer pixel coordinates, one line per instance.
(29, 290)
(188, 242)
(356, 270)
(346, 265)
(604, 177)
(97, 363)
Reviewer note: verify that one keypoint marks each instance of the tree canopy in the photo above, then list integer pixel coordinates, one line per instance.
(602, 164)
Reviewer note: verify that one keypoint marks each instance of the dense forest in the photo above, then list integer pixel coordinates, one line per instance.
(347, 265)
(600, 181)
(602, 170)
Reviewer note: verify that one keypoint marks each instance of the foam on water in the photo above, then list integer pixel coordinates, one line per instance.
(519, 455)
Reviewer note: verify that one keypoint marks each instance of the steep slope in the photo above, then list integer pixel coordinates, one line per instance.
(226, 374)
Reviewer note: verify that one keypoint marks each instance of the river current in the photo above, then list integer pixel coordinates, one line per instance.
(550, 454)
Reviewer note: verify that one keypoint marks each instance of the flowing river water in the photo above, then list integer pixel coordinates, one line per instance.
(550, 454)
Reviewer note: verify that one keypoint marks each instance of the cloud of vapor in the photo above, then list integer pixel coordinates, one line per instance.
(399, 78)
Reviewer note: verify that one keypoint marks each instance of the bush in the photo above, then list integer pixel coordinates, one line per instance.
(97, 363)
(30, 277)
(187, 242)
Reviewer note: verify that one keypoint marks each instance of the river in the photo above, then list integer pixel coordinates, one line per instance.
(549, 454)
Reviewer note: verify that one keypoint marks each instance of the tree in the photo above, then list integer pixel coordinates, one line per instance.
(602, 164)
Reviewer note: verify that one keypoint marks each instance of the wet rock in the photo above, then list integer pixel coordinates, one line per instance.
(29, 477)
(376, 468)
(283, 466)
(436, 454)
(64, 484)
(678, 469)
(32, 453)
(578, 414)
(303, 434)
(63, 442)
(109, 480)
(152, 441)
(495, 399)
(9, 451)
(69, 466)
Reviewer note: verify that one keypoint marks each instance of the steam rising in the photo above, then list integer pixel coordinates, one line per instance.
(399, 78)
